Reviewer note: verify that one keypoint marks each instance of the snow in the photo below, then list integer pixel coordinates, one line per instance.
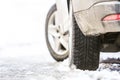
(34, 68)
(23, 51)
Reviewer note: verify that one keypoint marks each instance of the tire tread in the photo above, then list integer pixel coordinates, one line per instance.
(86, 50)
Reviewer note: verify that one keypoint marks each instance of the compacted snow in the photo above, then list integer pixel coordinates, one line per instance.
(22, 69)
(23, 52)
(43, 67)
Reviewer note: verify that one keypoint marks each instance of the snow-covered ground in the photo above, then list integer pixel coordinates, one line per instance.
(43, 67)
(23, 52)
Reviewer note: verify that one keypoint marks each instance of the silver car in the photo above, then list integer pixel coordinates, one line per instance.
(81, 29)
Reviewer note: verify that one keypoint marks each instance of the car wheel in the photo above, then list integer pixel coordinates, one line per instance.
(57, 41)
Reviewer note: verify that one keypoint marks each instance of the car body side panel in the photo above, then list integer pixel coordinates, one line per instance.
(79, 5)
(89, 17)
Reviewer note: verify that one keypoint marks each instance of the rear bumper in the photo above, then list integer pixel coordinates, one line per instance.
(90, 20)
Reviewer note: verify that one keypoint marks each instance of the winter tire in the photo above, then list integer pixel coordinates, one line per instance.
(85, 50)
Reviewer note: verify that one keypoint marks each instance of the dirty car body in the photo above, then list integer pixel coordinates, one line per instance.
(90, 14)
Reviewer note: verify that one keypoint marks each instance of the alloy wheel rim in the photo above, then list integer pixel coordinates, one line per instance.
(58, 39)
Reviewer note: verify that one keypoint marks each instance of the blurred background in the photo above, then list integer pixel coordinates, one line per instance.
(22, 24)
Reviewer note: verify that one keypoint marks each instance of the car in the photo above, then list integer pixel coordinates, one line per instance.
(81, 29)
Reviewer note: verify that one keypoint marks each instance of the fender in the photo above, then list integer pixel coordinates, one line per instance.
(89, 17)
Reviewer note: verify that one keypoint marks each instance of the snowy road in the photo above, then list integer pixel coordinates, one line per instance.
(17, 70)
(38, 68)
(23, 52)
